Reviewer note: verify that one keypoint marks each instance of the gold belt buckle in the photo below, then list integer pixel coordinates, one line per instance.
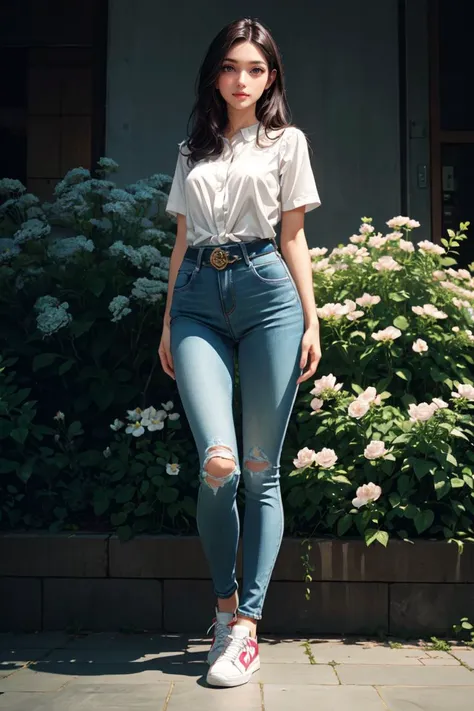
(220, 258)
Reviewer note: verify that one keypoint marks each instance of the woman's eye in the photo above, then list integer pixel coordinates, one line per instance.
(258, 70)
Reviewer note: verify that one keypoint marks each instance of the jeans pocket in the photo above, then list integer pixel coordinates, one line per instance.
(269, 268)
(186, 273)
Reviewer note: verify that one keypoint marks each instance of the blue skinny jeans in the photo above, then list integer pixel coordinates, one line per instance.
(251, 306)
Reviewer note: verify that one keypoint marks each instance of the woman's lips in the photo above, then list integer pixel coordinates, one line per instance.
(241, 96)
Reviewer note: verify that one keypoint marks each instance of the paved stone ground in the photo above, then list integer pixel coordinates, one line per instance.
(112, 672)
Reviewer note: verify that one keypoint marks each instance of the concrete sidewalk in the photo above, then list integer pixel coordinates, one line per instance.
(52, 671)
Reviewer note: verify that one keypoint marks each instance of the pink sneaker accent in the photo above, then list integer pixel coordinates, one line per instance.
(238, 661)
(249, 653)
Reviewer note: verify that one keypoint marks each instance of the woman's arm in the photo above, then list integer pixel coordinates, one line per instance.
(295, 252)
(294, 249)
(176, 258)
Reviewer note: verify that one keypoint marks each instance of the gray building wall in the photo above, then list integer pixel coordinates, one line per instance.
(341, 61)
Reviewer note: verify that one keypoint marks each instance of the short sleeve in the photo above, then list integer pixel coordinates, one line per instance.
(298, 186)
(177, 198)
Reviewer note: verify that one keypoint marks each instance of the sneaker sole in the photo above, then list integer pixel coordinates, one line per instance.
(236, 681)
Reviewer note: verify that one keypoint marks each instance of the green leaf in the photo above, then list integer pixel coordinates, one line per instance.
(456, 483)
(423, 520)
(167, 495)
(382, 537)
(469, 480)
(75, 429)
(101, 502)
(404, 374)
(42, 360)
(17, 398)
(452, 460)
(64, 367)
(102, 394)
(401, 323)
(315, 494)
(344, 524)
(394, 499)
(96, 285)
(341, 479)
(26, 470)
(19, 434)
(117, 519)
(395, 296)
(125, 494)
(78, 328)
(124, 533)
(143, 509)
(421, 467)
(455, 432)
(297, 497)
(372, 534)
(441, 483)
(403, 483)
(411, 511)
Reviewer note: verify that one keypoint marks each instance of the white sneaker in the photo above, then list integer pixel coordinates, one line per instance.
(223, 623)
(238, 661)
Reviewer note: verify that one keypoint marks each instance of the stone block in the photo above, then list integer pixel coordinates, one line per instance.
(48, 555)
(422, 609)
(102, 604)
(20, 604)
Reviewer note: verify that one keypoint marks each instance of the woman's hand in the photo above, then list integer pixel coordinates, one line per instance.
(310, 353)
(164, 351)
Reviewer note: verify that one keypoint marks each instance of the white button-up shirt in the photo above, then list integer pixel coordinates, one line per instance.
(239, 195)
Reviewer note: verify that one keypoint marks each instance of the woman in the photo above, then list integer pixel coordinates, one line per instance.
(242, 169)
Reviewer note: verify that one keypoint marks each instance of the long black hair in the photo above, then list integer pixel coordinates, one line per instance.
(208, 117)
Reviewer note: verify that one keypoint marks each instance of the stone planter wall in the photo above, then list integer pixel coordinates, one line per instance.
(94, 582)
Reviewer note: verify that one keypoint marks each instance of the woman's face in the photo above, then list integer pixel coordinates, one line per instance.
(244, 76)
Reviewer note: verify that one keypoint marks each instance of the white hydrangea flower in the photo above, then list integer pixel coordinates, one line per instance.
(67, 247)
(8, 186)
(119, 307)
(31, 229)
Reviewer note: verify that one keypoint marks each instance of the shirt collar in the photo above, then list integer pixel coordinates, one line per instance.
(249, 132)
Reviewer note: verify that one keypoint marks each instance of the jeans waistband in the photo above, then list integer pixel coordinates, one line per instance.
(237, 250)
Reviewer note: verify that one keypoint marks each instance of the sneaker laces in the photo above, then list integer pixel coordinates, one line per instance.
(221, 632)
(235, 645)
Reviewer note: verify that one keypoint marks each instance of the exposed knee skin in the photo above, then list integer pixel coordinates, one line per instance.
(219, 466)
(257, 461)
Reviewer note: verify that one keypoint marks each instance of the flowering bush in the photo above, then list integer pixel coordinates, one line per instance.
(82, 281)
(82, 285)
(382, 444)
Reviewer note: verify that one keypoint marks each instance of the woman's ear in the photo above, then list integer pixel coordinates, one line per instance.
(271, 78)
